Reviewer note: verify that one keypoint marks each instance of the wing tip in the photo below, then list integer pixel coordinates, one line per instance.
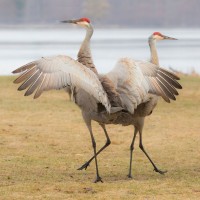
(14, 72)
(26, 94)
(20, 89)
(15, 81)
(18, 70)
(36, 96)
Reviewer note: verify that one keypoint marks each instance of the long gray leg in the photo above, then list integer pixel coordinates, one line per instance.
(108, 142)
(142, 148)
(88, 123)
(131, 153)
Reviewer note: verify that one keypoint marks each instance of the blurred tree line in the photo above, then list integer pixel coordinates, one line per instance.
(127, 13)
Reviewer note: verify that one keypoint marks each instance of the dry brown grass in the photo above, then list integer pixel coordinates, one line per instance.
(44, 141)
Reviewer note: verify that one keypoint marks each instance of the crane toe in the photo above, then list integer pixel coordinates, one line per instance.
(129, 176)
(84, 166)
(98, 179)
(160, 171)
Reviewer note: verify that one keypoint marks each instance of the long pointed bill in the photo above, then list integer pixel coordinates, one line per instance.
(169, 38)
(69, 21)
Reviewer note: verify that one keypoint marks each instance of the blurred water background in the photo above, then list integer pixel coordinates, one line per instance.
(21, 45)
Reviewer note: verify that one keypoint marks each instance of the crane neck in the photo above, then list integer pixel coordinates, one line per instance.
(84, 54)
(153, 50)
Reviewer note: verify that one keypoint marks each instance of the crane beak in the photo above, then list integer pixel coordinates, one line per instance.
(69, 21)
(168, 38)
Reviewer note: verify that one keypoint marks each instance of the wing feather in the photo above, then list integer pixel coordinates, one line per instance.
(170, 79)
(25, 75)
(34, 85)
(135, 79)
(165, 89)
(170, 87)
(165, 77)
(59, 72)
(29, 80)
(170, 74)
(160, 90)
(24, 67)
(41, 87)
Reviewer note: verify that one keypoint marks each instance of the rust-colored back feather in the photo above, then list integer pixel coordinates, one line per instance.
(113, 95)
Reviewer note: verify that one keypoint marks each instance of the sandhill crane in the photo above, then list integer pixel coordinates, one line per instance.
(133, 81)
(146, 108)
(149, 106)
(85, 58)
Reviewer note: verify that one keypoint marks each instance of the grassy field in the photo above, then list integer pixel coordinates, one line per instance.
(44, 141)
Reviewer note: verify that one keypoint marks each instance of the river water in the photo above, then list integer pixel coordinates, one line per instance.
(22, 45)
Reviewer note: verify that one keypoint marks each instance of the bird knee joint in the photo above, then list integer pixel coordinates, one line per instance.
(108, 142)
(131, 148)
(94, 144)
(141, 146)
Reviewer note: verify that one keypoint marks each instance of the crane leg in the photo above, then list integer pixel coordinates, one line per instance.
(98, 178)
(131, 153)
(142, 148)
(108, 142)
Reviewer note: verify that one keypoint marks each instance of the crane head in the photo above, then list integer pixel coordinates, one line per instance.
(84, 22)
(160, 36)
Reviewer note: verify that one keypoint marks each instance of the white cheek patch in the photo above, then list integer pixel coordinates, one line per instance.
(158, 37)
(83, 23)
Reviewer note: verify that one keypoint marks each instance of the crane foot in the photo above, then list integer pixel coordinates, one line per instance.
(159, 171)
(84, 166)
(98, 179)
(130, 176)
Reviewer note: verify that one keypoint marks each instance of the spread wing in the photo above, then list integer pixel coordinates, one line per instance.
(166, 80)
(135, 79)
(59, 72)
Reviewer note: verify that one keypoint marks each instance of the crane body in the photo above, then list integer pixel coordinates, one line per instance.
(149, 106)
